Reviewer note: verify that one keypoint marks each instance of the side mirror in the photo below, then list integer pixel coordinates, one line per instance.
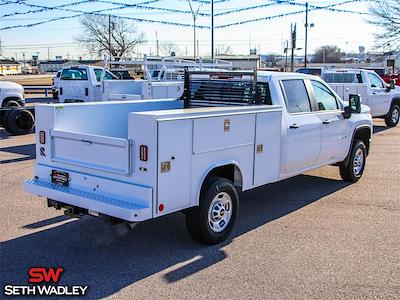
(392, 84)
(354, 106)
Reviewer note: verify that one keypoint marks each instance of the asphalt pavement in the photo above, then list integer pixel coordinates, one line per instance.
(309, 237)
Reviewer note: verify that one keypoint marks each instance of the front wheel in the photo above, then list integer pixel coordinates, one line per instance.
(392, 118)
(212, 221)
(355, 167)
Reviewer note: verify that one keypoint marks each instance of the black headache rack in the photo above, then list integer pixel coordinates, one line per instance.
(224, 88)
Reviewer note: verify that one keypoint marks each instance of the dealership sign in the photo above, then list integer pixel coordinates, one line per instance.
(43, 282)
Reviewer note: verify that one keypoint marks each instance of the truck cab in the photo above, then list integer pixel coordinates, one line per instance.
(139, 160)
(383, 99)
(82, 83)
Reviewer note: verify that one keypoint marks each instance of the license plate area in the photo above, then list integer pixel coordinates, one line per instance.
(60, 177)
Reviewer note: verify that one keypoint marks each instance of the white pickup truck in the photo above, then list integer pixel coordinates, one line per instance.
(383, 99)
(11, 94)
(93, 84)
(140, 160)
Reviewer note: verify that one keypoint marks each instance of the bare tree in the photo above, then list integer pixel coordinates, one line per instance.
(328, 54)
(98, 29)
(387, 17)
(168, 48)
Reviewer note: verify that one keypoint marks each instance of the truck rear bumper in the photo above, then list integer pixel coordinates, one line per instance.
(103, 204)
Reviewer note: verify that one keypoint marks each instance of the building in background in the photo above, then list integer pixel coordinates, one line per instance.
(52, 66)
(10, 67)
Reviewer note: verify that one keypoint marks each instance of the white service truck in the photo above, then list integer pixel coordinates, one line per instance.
(92, 84)
(383, 99)
(11, 94)
(139, 160)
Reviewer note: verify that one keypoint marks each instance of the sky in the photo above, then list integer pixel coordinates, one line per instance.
(347, 30)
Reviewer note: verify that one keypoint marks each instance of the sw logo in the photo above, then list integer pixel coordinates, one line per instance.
(38, 275)
(42, 280)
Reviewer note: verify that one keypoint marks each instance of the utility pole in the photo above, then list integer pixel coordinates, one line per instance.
(293, 46)
(286, 54)
(194, 15)
(1, 49)
(157, 45)
(306, 37)
(48, 53)
(198, 48)
(212, 30)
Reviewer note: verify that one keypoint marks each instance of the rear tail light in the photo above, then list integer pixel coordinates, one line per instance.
(42, 137)
(143, 155)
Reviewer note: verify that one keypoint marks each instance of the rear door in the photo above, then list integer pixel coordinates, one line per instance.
(303, 127)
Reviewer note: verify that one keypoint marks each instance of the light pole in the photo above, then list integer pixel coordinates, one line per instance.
(306, 25)
(212, 30)
(194, 15)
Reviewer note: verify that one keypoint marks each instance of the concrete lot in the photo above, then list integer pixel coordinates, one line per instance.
(313, 236)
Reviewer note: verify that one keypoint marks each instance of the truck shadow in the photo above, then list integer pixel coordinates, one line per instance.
(380, 128)
(110, 258)
(28, 151)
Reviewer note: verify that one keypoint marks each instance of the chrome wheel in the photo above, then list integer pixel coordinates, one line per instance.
(220, 212)
(395, 116)
(358, 162)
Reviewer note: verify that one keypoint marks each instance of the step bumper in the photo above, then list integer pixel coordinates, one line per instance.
(106, 205)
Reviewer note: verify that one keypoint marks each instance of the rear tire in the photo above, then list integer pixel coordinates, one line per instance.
(19, 121)
(212, 221)
(355, 167)
(393, 116)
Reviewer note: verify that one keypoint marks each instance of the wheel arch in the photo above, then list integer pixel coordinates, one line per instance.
(229, 170)
(12, 98)
(396, 100)
(363, 133)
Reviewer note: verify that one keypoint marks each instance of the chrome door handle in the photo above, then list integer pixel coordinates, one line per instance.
(294, 126)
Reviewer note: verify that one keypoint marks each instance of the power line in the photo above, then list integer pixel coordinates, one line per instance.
(330, 7)
(312, 8)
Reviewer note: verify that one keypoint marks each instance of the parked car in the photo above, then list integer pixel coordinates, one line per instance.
(139, 160)
(11, 94)
(383, 99)
(14, 116)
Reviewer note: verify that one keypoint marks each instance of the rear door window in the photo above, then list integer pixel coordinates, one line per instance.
(296, 96)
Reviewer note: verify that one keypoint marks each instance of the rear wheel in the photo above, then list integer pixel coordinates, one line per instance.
(19, 121)
(212, 221)
(392, 118)
(355, 167)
